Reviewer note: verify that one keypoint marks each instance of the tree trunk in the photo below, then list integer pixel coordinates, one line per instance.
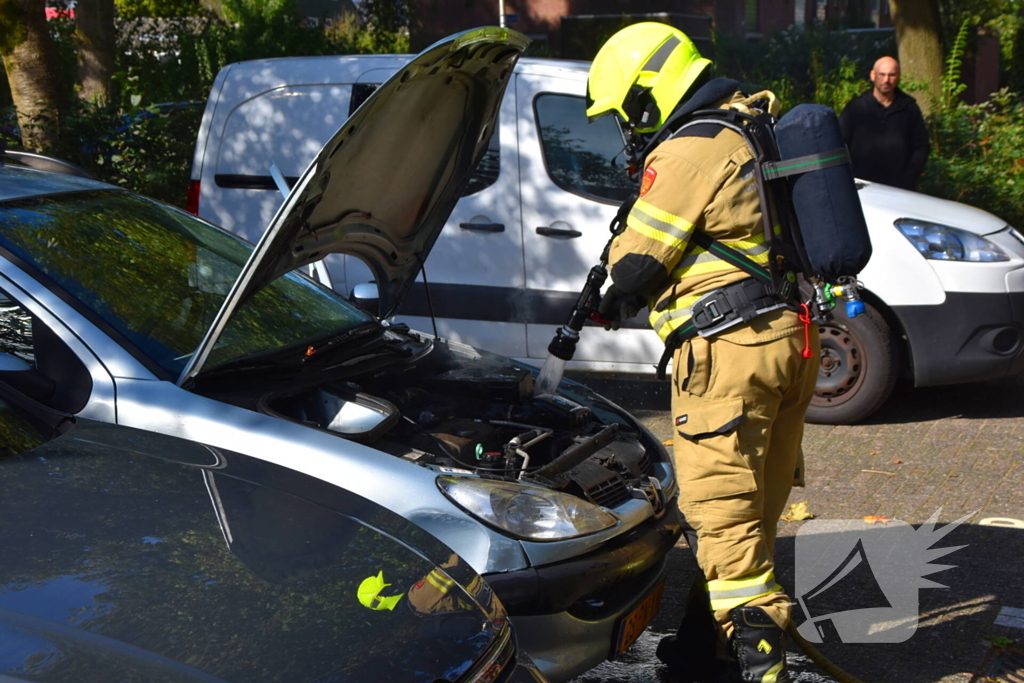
(94, 37)
(920, 46)
(31, 65)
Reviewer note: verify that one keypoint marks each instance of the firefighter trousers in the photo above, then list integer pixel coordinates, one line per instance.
(738, 405)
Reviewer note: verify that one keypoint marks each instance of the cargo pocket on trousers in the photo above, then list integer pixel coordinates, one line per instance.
(709, 463)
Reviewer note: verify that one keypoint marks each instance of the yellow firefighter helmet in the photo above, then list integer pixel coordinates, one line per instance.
(641, 73)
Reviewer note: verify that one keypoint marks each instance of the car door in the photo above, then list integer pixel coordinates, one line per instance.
(474, 273)
(573, 179)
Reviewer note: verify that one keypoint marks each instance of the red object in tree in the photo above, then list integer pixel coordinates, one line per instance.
(54, 13)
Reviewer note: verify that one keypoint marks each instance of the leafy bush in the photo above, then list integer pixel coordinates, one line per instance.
(977, 150)
(812, 64)
(137, 141)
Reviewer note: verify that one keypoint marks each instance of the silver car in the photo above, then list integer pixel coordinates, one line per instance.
(125, 310)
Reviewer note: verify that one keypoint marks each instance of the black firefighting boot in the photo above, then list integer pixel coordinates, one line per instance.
(690, 653)
(760, 646)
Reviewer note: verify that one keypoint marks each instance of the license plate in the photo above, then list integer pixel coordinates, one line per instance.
(633, 624)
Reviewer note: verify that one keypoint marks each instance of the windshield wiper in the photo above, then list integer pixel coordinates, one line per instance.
(293, 355)
(320, 349)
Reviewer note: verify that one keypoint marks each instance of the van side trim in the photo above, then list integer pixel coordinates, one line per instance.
(237, 181)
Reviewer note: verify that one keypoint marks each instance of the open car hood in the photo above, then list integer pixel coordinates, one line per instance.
(383, 187)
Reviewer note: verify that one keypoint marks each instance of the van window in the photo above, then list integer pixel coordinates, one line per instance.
(486, 173)
(284, 126)
(583, 158)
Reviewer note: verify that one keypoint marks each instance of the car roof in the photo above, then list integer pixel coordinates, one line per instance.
(17, 182)
(551, 67)
(291, 67)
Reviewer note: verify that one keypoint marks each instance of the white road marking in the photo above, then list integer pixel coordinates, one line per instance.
(1011, 616)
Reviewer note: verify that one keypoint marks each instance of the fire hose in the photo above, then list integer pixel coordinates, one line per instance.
(818, 658)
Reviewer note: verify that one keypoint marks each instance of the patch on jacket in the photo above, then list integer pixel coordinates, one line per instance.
(649, 176)
(681, 420)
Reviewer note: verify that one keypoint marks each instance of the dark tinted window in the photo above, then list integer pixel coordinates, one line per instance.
(486, 173)
(582, 158)
(18, 432)
(158, 276)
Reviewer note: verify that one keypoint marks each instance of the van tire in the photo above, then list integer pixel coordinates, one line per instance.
(858, 368)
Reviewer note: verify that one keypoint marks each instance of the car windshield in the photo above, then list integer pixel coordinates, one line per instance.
(158, 276)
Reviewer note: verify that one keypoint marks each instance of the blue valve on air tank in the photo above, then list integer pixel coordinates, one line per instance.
(854, 306)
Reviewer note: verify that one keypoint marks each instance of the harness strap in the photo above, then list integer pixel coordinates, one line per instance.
(733, 256)
(805, 164)
(719, 310)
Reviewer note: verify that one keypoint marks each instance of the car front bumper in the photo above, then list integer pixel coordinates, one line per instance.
(566, 614)
(969, 337)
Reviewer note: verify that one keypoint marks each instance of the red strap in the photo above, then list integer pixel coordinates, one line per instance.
(805, 318)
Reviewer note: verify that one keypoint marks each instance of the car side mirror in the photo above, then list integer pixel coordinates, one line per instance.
(367, 297)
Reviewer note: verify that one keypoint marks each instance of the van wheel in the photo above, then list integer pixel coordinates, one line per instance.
(858, 368)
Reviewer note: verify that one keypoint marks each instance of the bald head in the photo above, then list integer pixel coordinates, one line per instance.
(885, 76)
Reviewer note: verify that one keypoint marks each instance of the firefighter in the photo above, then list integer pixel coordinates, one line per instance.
(738, 396)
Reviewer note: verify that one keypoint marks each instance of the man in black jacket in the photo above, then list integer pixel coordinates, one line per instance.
(885, 131)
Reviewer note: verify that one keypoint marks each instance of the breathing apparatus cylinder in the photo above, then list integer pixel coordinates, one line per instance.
(832, 228)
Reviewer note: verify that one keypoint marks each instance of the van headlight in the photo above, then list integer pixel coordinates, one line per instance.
(943, 243)
(526, 512)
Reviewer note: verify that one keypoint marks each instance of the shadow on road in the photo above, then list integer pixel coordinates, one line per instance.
(955, 626)
(980, 400)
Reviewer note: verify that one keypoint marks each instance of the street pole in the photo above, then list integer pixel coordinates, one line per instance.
(501, 13)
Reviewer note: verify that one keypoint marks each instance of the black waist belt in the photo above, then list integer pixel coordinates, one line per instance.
(720, 309)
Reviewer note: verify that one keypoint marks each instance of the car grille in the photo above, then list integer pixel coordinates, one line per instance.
(609, 493)
(646, 464)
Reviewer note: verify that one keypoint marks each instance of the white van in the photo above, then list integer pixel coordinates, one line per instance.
(944, 289)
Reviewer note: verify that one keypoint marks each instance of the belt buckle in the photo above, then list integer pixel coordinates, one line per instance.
(712, 308)
(708, 315)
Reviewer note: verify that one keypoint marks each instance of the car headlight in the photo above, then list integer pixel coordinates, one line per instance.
(526, 512)
(943, 243)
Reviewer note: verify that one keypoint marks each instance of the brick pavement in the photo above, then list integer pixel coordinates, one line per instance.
(958, 448)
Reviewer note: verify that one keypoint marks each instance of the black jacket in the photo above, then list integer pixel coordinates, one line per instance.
(888, 145)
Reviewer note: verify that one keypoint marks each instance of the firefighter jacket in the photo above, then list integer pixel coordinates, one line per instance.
(700, 179)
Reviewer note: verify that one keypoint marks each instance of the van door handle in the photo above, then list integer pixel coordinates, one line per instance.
(483, 227)
(558, 232)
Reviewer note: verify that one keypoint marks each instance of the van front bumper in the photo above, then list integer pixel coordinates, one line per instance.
(969, 337)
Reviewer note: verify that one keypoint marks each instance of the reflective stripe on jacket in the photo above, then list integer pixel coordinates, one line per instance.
(702, 179)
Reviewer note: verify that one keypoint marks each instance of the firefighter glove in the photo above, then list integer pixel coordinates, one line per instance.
(616, 305)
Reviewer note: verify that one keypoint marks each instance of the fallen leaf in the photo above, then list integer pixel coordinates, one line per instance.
(1000, 641)
(874, 452)
(897, 462)
(877, 519)
(920, 471)
(797, 512)
(666, 442)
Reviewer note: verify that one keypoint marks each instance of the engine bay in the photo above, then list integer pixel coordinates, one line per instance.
(481, 416)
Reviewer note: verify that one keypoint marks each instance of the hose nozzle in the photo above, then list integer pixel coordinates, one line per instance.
(563, 345)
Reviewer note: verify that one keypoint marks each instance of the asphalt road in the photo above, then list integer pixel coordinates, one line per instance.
(955, 451)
